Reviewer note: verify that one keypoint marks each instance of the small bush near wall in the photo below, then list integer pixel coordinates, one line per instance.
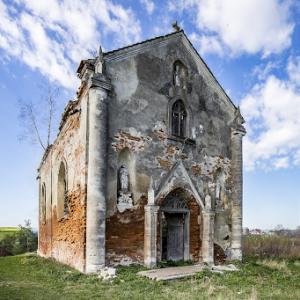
(22, 241)
(266, 245)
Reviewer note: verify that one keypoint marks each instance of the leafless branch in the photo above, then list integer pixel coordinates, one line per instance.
(37, 118)
(51, 96)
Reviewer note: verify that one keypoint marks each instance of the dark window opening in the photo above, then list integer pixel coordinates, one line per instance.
(43, 204)
(66, 208)
(178, 119)
(62, 192)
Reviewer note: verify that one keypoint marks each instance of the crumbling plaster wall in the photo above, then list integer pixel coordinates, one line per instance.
(64, 238)
(142, 89)
(45, 225)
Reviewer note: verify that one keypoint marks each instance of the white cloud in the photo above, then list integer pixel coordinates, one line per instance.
(272, 111)
(149, 5)
(54, 36)
(281, 163)
(296, 157)
(207, 44)
(293, 69)
(244, 26)
(262, 71)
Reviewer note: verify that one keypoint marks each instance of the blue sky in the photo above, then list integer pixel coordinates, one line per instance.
(252, 47)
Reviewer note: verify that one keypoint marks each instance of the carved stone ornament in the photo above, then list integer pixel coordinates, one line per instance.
(151, 193)
(238, 120)
(124, 179)
(99, 65)
(180, 75)
(218, 194)
(124, 201)
(125, 196)
(220, 191)
(208, 202)
(175, 202)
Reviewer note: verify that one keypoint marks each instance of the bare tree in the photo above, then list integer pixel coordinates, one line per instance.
(37, 118)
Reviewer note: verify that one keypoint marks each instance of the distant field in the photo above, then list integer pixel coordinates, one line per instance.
(4, 231)
(271, 246)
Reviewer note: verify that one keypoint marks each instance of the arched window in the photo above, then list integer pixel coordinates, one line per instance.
(178, 119)
(43, 204)
(62, 204)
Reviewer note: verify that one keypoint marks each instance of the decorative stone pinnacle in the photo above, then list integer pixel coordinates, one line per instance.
(238, 118)
(238, 122)
(176, 26)
(151, 196)
(99, 64)
(208, 202)
(100, 54)
(151, 184)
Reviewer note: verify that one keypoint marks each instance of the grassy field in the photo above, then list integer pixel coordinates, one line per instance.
(4, 231)
(31, 277)
(271, 246)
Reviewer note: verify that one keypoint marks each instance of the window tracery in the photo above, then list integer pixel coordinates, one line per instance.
(179, 119)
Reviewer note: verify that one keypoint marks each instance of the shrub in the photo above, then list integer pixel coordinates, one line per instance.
(271, 246)
(23, 240)
(6, 245)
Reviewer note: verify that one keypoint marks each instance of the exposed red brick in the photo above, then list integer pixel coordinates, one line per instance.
(196, 170)
(125, 235)
(165, 164)
(160, 134)
(124, 139)
(68, 233)
(171, 150)
(219, 255)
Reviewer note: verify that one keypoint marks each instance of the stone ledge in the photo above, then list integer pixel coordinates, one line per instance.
(186, 271)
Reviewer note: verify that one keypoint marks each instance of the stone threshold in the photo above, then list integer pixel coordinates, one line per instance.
(172, 273)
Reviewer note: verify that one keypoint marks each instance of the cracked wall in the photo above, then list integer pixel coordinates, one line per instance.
(139, 120)
(139, 108)
(64, 238)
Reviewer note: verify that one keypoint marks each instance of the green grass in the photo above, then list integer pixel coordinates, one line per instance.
(32, 277)
(4, 231)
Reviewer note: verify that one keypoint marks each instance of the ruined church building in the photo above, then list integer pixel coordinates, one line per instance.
(147, 164)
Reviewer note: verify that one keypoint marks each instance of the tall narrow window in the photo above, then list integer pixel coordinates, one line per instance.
(62, 204)
(178, 119)
(43, 204)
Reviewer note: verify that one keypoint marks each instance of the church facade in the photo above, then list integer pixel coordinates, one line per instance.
(147, 165)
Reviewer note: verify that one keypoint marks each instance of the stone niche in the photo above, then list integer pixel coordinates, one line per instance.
(125, 176)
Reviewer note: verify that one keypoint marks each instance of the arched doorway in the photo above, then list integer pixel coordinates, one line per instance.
(174, 229)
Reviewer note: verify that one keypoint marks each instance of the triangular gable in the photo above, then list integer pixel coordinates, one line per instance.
(203, 69)
(177, 177)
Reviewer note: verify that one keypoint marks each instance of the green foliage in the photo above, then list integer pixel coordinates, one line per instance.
(32, 277)
(19, 241)
(7, 231)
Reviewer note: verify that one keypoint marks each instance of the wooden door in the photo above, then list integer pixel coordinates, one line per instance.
(175, 237)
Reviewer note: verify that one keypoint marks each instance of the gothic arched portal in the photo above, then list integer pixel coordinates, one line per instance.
(174, 220)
